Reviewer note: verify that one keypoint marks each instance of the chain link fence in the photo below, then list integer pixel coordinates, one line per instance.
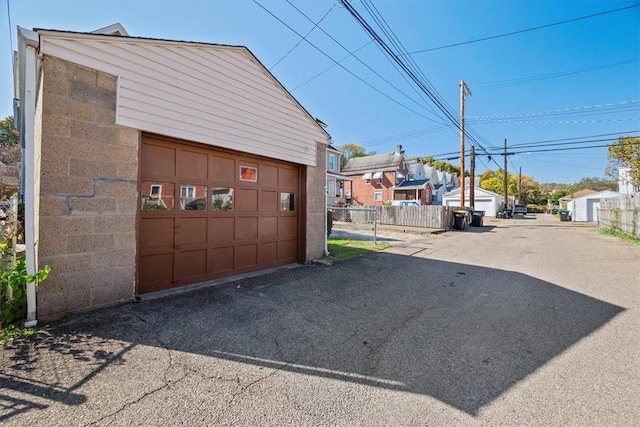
(349, 223)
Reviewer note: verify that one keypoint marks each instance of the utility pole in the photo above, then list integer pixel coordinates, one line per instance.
(464, 92)
(520, 185)
(506, 176)
(472, 179)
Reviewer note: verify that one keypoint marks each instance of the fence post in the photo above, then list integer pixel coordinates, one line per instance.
(375, 226)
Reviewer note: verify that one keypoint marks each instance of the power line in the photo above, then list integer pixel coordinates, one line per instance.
(626, 132)
(340, 65)
(525, 30)
(522, 80)
(303, 38)
(559, 122)
(608, 106)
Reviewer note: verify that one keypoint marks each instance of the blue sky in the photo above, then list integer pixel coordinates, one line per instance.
(574, 80)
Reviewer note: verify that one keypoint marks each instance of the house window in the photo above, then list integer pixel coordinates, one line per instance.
(193, 197)
(332, 162)
(156, 191)
(377, 196)
(287, 202)
(187, 192)
(154, 198)
(221, 199)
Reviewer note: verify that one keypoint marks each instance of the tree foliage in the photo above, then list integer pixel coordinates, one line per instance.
(442, 165)
(8, 135)
(352, 150)
(625, 153)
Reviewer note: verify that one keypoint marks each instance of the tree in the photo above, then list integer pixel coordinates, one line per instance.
(352, 150)
(442, 165)
(596, 184)
(8, 135)
(625, 153)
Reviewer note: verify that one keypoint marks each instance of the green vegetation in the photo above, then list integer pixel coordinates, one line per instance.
(625, 153)
(8, 134)
(12, 332)
(619, 235)
(343, 249)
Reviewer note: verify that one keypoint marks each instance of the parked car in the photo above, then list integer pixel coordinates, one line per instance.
(520, 210)
(405, 203)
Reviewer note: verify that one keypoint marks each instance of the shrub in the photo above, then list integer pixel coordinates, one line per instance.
(329, 222)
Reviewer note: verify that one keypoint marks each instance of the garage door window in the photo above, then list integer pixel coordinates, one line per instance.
(157, 196)
(221, 199)
(193, 197)
(287, 201)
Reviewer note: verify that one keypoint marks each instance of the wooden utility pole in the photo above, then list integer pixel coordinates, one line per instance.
(464, 92)
(472, 178)
(520, 185)
(506, 176)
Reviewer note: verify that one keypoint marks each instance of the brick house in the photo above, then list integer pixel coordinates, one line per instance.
(154, 164)
(376, 177)
(337, 183)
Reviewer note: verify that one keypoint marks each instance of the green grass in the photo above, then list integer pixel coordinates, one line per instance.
(343, 249)
(619, 235)
(12, 332)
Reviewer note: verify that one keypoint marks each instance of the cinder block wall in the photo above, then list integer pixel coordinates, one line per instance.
(88, 192)
(316, 205)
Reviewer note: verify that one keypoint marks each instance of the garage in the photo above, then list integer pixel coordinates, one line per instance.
(207, 213)
(484, 200)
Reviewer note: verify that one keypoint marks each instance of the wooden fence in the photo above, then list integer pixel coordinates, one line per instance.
(621, 214)
(429, 216)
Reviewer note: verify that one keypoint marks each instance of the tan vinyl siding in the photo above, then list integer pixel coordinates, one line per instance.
(215, 95)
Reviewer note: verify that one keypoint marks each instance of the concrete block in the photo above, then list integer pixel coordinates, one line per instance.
(127, 171)
(105, 115)
(91, 205)
(55, 125)
(127, 206)
(113, 293)
(93, 132)
(59, 166)
(115, 224)
(128, 136)
(118, 189)
(115, 258)
(67, 263)
(51, 244)
(58, 105)
(107, 82)
(116, 153)
(66, 225)
(81, 91)
(81, 243)
(52, 206)
(92, 168)
(68, 185)
(56, 148)
(124, 240)
(52, 306)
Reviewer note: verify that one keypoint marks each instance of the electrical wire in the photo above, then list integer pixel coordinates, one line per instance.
(621, 105)
(340, 65)
(525, 30)
(303, 38)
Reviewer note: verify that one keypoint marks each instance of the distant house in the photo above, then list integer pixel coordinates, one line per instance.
(585, 208)
(625, 186)
(337, 188)
(375, 177)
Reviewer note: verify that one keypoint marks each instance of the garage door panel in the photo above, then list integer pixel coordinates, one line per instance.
(222, 169)
(246, 256)
(158, 160)
(269, 176)
(192, 165)
(287, 177)
(268, 227)
(247, 228)
(220, 259)
(156, 232)
(287, 226)
(155, 272)
(190, 264)
(287, 250)
(268, 253)
(221, 230)
(191, 230)
(268, 201)
(246, 200)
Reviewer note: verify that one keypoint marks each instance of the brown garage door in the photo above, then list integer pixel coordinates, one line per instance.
(207, 213)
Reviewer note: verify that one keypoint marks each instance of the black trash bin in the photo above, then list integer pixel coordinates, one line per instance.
(478, 218)
(458, 221)
(564, 215)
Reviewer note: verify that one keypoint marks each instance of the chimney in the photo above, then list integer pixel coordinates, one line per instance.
(399, 149)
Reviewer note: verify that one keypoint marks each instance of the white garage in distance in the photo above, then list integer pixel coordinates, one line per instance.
(485, 200)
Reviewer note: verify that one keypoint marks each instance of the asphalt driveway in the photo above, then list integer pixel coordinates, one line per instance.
(519, 322)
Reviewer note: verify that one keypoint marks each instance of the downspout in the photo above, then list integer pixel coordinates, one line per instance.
(326, 212)
(28, 96)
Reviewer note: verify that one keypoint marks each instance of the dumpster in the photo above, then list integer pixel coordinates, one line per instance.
(478, 218)
(459, 220)
(565, 215)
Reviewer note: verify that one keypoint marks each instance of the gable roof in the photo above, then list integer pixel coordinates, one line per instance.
(209, 93)
(599, 195)
(416, 184)
(376, 162)
(584, 192)
(478, 192)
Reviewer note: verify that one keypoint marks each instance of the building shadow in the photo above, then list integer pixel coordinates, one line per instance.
(459, 333)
